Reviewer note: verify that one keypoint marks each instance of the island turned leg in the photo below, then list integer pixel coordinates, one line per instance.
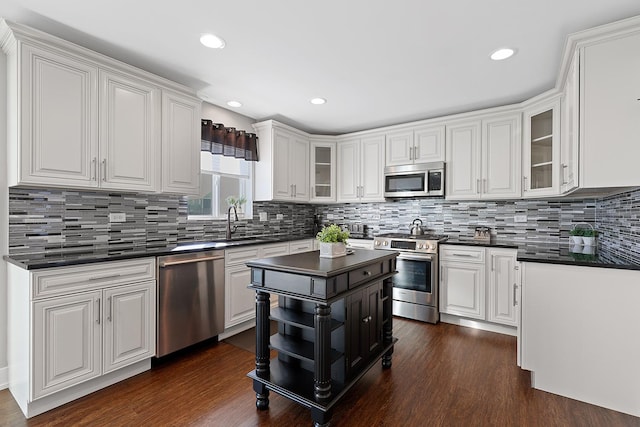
(322, 349)
(387, 329)
(262, 349)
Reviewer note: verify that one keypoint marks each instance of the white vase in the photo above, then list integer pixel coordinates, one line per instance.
(589, 241)
(332, 250)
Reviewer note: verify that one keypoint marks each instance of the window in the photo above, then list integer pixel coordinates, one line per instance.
(221, 177)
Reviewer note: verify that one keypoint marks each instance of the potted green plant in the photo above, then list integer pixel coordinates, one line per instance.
(575, 235)
(236, 203)
(589, 237)
(332, 241)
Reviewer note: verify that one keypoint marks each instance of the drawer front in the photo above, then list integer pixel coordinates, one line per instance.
(276, 249)
(462, 253)
(364, 274)
(65, 280)
(240, 256)
(301, 246)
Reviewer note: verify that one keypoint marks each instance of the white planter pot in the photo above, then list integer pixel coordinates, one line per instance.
(589, 241)
(332, 250)
(575, 240)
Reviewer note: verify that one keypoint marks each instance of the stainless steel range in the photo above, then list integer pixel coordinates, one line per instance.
(415, 287)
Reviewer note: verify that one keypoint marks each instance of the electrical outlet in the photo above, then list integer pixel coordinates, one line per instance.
(118, 217)
(279, 216)
(263, 216)
(520, 218)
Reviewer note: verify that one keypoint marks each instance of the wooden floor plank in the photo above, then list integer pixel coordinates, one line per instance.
(442, 375)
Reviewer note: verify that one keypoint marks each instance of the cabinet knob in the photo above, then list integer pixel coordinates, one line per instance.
(366, 273)
(366, 319)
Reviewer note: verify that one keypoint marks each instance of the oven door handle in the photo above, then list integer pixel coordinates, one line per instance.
(417, 257)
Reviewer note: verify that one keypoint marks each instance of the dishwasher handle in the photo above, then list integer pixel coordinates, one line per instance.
(162, 264)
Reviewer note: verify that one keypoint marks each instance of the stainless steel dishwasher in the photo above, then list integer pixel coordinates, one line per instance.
(190, 299)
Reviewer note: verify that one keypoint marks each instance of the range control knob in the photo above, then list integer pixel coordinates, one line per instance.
(384, 243)
(433, 246)
(419, 245)
(377, 243)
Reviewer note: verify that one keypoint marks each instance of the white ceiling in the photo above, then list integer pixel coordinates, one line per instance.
(377, 62)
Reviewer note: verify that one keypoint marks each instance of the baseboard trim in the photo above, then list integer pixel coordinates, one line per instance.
(237, 329)
(4, 378)
(479, 324)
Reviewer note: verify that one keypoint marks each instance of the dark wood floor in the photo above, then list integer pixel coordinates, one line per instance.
(442, 375)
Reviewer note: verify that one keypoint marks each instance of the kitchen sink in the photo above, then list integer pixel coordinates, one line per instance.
(221, 244)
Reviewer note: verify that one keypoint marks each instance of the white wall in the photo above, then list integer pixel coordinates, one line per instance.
(4, 221)
(227, 117)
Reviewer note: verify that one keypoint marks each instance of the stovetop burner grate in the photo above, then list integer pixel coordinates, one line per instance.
(438, 237)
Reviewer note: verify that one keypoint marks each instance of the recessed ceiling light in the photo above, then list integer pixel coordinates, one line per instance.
(212, 41)
(318, 101)
(503, 53)
(234, 104)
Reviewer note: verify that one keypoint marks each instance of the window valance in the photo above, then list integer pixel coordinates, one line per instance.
(228, 141)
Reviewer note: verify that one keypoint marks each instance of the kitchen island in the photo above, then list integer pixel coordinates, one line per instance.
(334, 323)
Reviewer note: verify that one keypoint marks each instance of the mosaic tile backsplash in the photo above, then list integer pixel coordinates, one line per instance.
(78, 221)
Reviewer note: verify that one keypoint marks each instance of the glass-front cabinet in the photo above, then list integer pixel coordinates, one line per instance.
(323, 170)
(541, 165)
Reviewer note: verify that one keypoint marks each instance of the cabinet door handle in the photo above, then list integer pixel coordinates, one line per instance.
(93, 168)
(462, 255)
(98, 319)
(441, 273)
(524, 183)
(515, 290)
(493, 262)
(564, 174)
(313, 191)
(410, 153)
(112, 276)
(478, 186)
(110, 309)
(485, 184)
(366, 319)
(415, 153)
(104, 169)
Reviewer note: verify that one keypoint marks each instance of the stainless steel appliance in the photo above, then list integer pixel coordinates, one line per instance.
(419, 180)
(190, 299)
(415, 287)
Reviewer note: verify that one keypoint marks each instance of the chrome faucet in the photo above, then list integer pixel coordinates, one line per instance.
(235, 227)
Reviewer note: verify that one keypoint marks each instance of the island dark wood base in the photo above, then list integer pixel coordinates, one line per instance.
(334, 324)
(296, 384)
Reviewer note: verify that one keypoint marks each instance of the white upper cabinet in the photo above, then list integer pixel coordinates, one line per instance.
(57, 122)
(501, 157)
(283, 170)
(322, 166)
(541, 160)
(181, 134)
(610, 112)
(361, 169)
(84, 120)
(421, 144)
(463, 161)
(483, 158)
(129, 132)
(570, 116)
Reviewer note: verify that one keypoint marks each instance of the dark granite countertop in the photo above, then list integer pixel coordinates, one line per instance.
(556, 253)
(309, 263)
(57, 259)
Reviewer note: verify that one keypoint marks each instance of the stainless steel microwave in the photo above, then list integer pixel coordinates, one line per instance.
(419, 180)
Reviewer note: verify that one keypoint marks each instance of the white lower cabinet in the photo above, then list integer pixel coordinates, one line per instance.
(240, 302)
(462, 282)
(479, 283)
(78, 329)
